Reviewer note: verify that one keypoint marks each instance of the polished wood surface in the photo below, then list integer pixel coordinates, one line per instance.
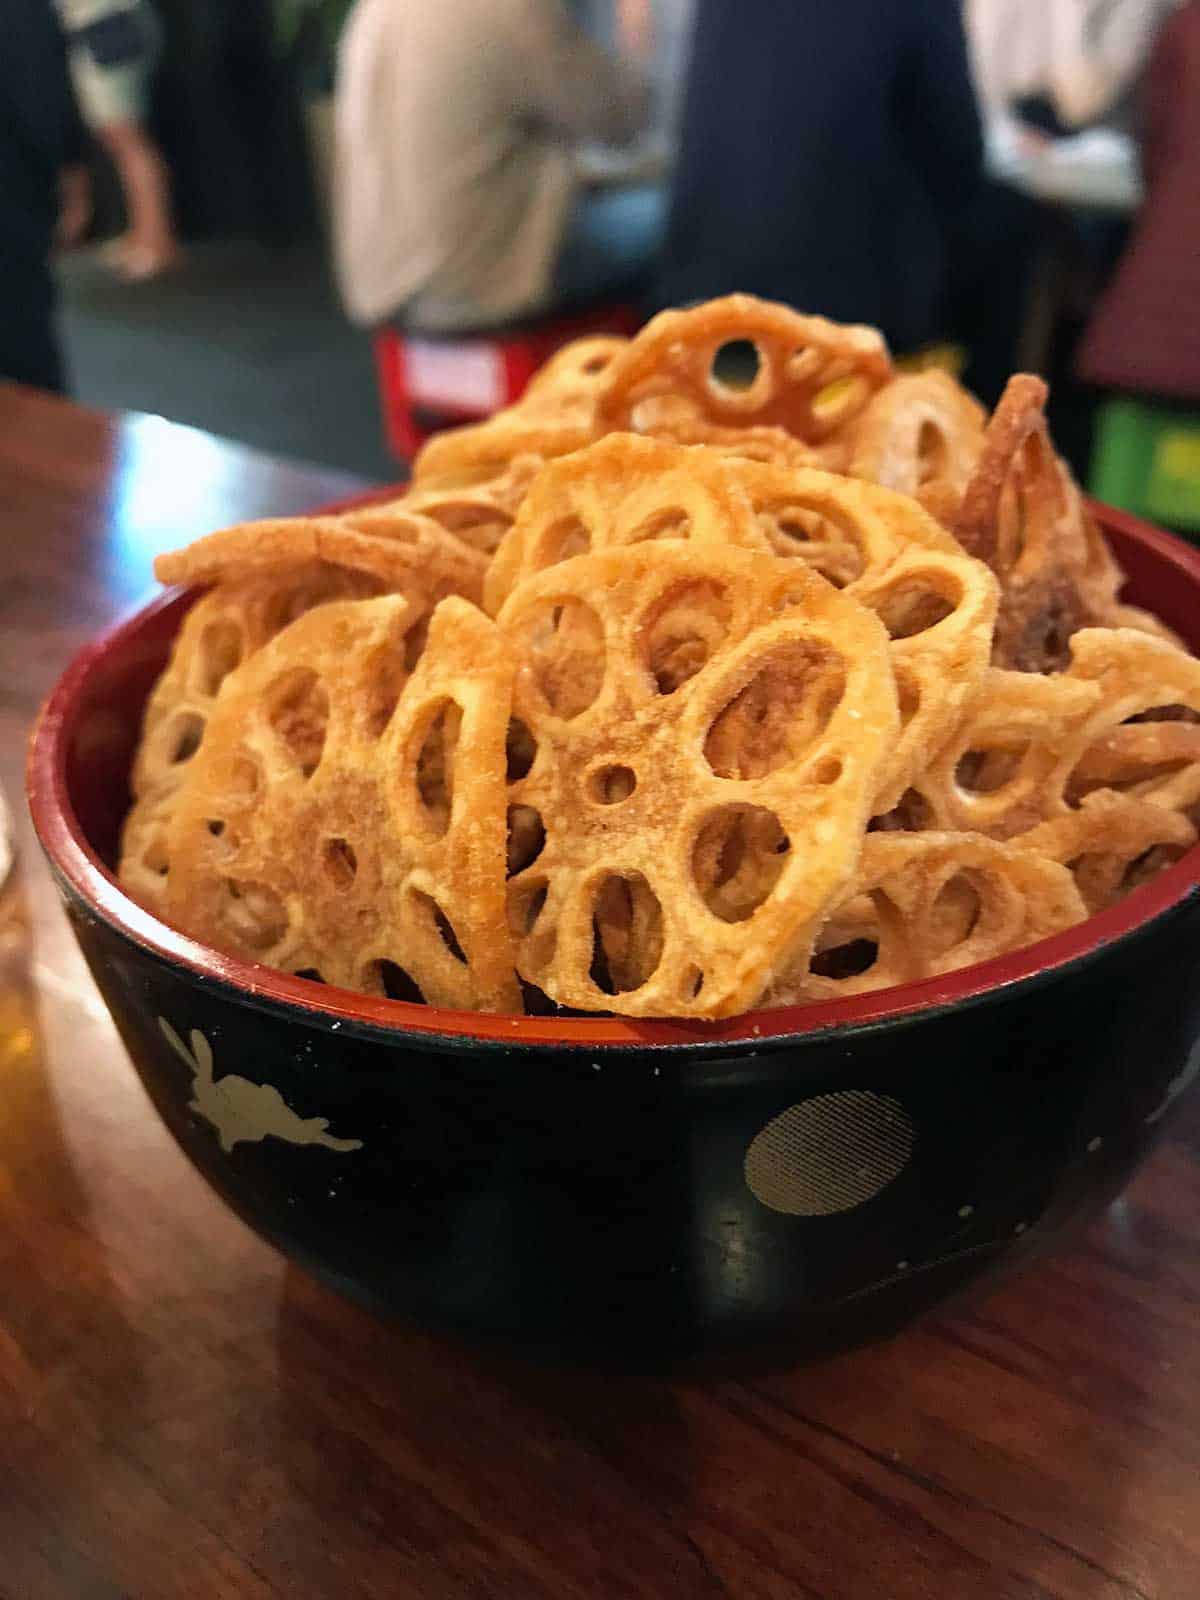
(183, 1414)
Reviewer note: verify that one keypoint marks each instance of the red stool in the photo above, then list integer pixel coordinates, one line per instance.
(432, 381)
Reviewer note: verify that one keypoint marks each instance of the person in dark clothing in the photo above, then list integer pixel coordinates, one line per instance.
(822, 150)
(41, 187)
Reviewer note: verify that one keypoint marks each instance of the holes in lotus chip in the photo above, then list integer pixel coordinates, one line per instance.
(382, 691)
(298, 712)
(1141, 751)
(310, 974)
(931, 452)
(627, 934)
(780, 714)
(526, 901)
(848, 960)
(596, 364)
(954, 913)
(823, 542)
(319, 584)
(438, 922)
(669, 522)
(610, 784)
(219, 652)
(908, 690)
(735, 370)
(339, 863)
(435, 764)
(693, 982)
(739, 854)
(414, 642)
(254, 914)
(917, 602)
(683, 630)
(481, 526)
(830, 1153)
(526, 838)
(183, 736)
(520, 748)
(564, 648)
(987, 771)
(390, 980)
(561, 541)
(912, 813)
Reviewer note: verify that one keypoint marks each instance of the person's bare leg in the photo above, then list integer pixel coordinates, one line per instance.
(150, 243)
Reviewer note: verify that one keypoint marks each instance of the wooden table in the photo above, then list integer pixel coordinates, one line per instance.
(184, 1414)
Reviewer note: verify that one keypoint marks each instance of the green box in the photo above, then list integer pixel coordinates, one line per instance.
(1146, 459)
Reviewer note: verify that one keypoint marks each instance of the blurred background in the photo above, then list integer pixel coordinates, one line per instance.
(324, 227)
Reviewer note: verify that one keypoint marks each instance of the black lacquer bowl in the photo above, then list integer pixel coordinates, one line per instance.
(600, 1189)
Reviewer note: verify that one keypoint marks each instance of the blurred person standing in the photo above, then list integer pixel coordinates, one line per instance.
(1145, 335)
(1081, 59)
(456, 204)
(821, 151)
(113, 48)
(43, 188)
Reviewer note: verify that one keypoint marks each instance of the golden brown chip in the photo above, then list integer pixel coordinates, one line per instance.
(812, 379)
(326, 833)
(397, 550)
(647, 782)
(1004, 769)
(921, 434)
(1022, 515)
(1134, 740)
(573, 376)
(479, 514)
(938, 604)
(621, 491)
(1111, 843)
(223, 629)
(930, 903)
(266, 575)
(555, 415)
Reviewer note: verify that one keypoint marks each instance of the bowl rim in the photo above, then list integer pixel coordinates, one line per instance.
(77, 866)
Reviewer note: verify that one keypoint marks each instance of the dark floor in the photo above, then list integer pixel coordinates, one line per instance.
(244, 341)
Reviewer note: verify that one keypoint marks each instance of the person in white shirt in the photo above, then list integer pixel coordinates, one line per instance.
(456, 204)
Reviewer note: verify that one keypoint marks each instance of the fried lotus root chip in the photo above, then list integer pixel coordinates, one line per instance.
(921, 434)
(479, 514)
(646, 799)
(224, 628)
(320, 835)
(929, 903)
(937, 603)
(1002, 772)
(555, 415)
(1141, 738)
(1024, 516)
(812, 381)
(623, 490)
(266, 575)
(396, 550)
(1112, 843)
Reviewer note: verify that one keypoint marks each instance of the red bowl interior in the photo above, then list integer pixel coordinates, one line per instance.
(78, 773)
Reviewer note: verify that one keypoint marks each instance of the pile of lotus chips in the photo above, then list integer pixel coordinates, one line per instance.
(667, 693)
